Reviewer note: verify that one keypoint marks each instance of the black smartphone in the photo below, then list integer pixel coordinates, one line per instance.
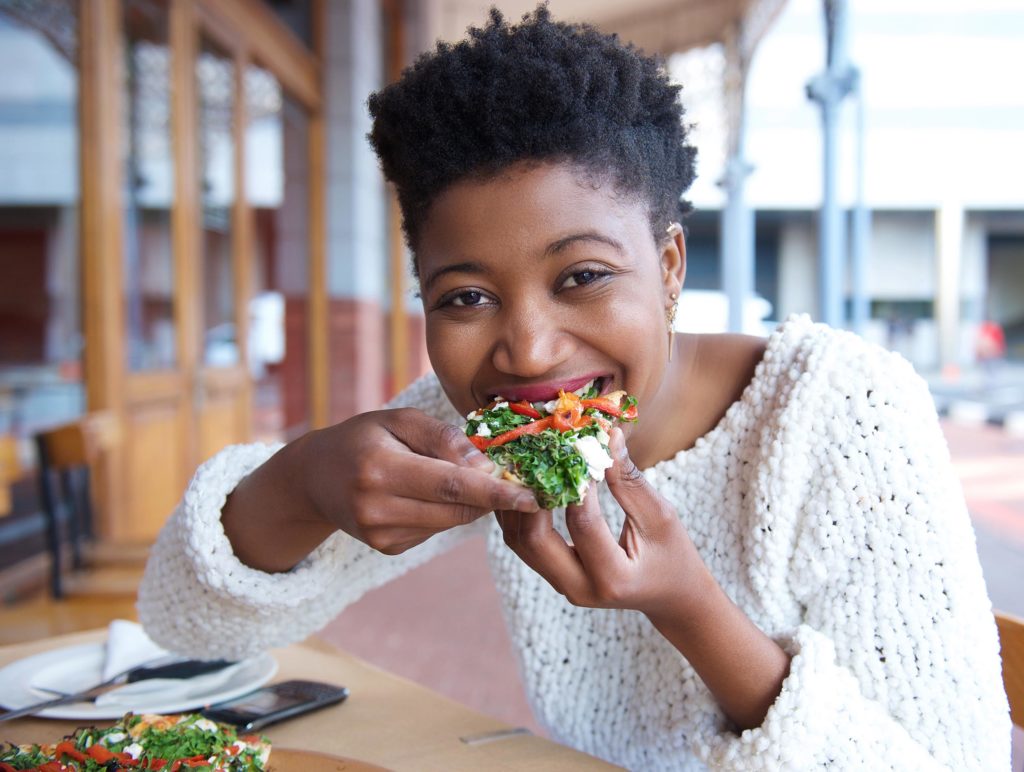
(274, 703)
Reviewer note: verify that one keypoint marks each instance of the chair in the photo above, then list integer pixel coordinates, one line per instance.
(66, 456)
(10, 471)
(1011, 643)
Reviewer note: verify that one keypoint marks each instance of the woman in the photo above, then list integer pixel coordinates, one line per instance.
(790, 581)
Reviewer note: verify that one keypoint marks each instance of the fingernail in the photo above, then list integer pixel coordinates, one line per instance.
(527, 503)
(617, 443)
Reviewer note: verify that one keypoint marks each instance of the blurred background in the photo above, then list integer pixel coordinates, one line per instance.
(197, 248)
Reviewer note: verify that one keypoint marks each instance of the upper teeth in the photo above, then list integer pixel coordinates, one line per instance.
(585, 387)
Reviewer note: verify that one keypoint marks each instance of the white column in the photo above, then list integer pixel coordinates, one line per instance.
(356, 224)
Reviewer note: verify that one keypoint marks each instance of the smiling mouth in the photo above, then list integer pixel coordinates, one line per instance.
(545, 393)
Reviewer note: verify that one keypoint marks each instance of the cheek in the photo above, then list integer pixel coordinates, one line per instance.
(455, 356)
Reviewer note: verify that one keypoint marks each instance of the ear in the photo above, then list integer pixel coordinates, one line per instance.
(673, 261)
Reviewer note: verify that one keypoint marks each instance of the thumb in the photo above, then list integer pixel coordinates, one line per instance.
(630, 488)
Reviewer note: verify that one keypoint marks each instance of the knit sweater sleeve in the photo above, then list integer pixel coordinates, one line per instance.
(896, 662)
(198, 599)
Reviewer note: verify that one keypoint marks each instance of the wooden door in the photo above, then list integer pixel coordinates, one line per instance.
(168, 235)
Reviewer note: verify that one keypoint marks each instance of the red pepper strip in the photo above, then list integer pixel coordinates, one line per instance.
(67, 748)
(607, 406)
(101, 753)
(5, 767)
(524, 408)
(561, 421)
(534, 427)
(196, 761)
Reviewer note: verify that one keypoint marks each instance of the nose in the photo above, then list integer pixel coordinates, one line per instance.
(531, 343)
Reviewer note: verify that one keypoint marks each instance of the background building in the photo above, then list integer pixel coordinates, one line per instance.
(942, 128)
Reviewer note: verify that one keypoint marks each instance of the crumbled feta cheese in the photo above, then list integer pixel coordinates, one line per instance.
(550, 406)
(597, 458)
(134, 750)
(483, 430)
(499, 405)
(113, 738)
(471, 415)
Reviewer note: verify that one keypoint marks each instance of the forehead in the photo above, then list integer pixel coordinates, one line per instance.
(525, 209)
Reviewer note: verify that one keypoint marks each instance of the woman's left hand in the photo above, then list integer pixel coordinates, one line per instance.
(653, 567)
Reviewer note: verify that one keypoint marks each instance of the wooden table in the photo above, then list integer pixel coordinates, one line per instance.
(386, 720)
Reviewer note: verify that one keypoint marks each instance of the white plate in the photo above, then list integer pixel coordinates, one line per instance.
(73, 668)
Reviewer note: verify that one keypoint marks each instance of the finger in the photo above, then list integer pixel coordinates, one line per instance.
(433, 517)
(638, 499)
(430, 479)
(533, 538)
(591, 536)
(429, 437)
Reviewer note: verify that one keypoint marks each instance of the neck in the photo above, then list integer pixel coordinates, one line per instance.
(656, 437)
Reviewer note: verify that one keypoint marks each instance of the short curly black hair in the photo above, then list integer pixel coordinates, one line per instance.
(539, 90)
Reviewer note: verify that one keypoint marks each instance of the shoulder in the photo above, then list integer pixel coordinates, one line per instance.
(858, 404)
(814, 358)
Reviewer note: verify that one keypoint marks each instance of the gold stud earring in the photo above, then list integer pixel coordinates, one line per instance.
(670, 316)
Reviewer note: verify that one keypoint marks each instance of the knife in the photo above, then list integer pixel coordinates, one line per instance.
(187, 668)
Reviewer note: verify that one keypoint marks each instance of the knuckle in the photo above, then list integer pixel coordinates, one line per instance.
(367, 475)
(632, 476)
(405, 414)
(464, 515)
(500, 496)
(451, 435)
(393, 549)
(582, 520)
(377, 540)
(451, 488)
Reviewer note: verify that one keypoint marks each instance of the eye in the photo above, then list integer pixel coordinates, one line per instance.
(467, 298)
(582, 278)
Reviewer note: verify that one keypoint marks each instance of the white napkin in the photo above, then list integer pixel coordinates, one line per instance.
(128, 646)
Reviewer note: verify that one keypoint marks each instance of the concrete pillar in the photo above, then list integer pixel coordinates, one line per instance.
(737, 242)
(949, 234)
(356, 213)
(736, 245)
(829, 89)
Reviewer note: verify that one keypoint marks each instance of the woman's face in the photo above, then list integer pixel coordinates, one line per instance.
(542, 279)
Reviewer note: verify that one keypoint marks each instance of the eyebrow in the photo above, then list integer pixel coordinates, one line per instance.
(552, 249)
(467, 267)
(564, 243)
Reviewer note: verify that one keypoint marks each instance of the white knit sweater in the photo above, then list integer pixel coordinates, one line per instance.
(825, 505)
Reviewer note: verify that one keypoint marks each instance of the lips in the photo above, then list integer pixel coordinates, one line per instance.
(542, 392)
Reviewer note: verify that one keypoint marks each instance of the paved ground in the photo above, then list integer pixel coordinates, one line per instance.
(441, 624)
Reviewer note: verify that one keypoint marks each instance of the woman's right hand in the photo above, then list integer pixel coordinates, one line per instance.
(390, 478)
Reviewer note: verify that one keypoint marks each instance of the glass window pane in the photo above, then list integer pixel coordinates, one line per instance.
(40, 289)
(148, 187)
(277, 190)
(297, 15)
(215, 77)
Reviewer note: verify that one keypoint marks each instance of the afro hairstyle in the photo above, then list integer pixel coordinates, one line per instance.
(536, 91)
